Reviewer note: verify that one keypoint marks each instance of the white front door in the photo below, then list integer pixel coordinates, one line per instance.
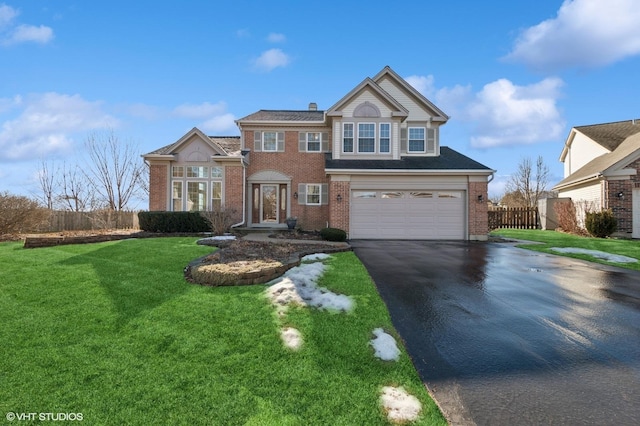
(635, 218)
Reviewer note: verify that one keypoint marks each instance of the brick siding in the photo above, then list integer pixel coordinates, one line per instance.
(158, 175)
(478, 212)
(339, 211)
(622, 207)
(303, 167)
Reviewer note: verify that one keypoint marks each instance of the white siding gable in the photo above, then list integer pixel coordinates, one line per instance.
(583, 149)
(417, 112)
(195, 150)
(366, 96)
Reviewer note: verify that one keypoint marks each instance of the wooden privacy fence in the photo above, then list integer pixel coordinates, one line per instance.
(514, 217)
(83, 221)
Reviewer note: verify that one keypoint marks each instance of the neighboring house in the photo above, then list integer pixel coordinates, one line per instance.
(372, 164)
(601, 165)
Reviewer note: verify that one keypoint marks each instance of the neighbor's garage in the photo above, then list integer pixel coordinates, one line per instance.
(408, 214)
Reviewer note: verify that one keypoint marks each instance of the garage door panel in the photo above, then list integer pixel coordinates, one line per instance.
(409, 215)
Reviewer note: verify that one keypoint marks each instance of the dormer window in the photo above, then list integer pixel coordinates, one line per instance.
(416, 139)
(366, 137)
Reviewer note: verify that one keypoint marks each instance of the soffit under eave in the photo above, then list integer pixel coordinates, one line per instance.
(412, 92)
(398, 109)
(634, 154)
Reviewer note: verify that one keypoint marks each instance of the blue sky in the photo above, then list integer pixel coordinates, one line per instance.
(513, 76)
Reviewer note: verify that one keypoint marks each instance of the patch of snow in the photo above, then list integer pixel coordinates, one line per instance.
(292, 338)
(315, 257)
(399, 405)
(385, 346)
(219, 238)
(597, 254)
(298, 286)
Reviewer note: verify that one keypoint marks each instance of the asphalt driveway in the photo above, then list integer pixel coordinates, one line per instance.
(506, 336)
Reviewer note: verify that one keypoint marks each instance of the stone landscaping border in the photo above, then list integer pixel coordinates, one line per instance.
(260, 273)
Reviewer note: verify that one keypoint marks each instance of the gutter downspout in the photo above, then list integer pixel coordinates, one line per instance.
(244, 195)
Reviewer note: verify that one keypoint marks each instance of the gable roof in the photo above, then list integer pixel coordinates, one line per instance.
(412, 91)
(448, 160)
(223, 145)
(368, 83)
(624, 153)
(610, 135)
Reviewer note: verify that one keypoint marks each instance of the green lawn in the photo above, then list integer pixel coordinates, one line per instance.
(113, 331)
(629, 248)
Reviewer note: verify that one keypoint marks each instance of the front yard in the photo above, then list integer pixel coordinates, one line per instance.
(551, 239)
(113, 331)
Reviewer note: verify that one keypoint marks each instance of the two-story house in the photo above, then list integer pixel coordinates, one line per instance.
(372, 164)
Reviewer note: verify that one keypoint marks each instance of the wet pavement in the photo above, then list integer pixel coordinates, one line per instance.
(507, 336)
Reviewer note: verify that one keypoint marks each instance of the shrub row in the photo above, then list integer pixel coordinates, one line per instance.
(333, 234)
(173, 222)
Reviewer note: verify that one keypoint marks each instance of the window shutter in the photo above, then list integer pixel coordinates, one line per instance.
(431, 140)
(280, 138)
(302, 141)
(257, 141)
(403, 140)
(325, 142)
(324, 194)
(302, 193)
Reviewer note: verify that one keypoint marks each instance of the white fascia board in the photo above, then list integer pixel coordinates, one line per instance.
(591, 178)
(165, 157)
(409, 172)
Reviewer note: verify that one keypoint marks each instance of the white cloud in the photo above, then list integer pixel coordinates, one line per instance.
(585, 33)
(220, 123)
(276, 38)
(48, 123)
(507, 114)
(7, 15)
(502, 113)
(10, 33)
(423, 84)
(202, 110)
(26, 33)
(271, 59)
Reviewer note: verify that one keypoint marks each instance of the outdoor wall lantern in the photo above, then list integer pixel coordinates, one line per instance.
(620, 195)
(295, 195)
(339, 198)
(481, 198)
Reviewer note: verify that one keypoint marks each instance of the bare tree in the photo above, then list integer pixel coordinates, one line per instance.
(115, 171)
(47, 183)
(527, 183)
(20, 214)
(76, 193)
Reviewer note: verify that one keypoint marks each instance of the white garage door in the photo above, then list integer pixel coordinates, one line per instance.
(436, 215)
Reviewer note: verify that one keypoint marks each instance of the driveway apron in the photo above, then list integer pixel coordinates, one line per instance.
(506, 336)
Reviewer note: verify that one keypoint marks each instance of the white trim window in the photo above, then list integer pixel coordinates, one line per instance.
(177, 171)
(314, 141)
(270, 141)
(216, 195)
(196, 196)
(347, 137)
(176, 196)
(385, 138)
(367, 137)
(313, 194)
(416, 142)
(199, 172)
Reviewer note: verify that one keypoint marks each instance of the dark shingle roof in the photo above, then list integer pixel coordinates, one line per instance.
(284, 115)
(610, 135)
(448, 159)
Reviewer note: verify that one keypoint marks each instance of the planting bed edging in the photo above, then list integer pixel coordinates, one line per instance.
(257, 275)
